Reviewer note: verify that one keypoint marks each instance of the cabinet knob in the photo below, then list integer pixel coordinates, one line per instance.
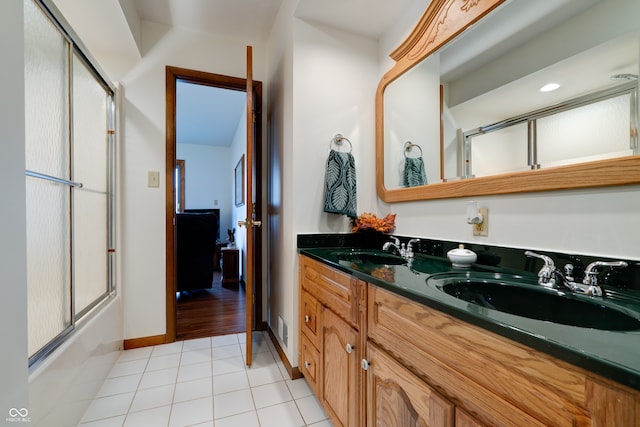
(365, 364)
(307, 319)
(307, 364)
(349, 348)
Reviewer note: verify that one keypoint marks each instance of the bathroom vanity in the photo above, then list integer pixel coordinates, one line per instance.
(381, 346)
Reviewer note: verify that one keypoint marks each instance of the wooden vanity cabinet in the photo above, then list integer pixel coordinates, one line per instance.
(332, 339)
(492, 380)
(375, 358)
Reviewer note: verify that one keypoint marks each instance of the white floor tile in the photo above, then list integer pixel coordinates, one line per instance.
(152, 398)
(161, 350)
(262, 376)
(122, 369)
(158, 378)
(196, 344)
(108, 422)
(194, 372)
(226, 366)
(195, 389)
(106, 407)
(227, 351)
(248, 419)
(233, 403)
(196, 356)
(282, 415)
(311, 410)
(166, 361)
(271, 394)
(262, 360)
(233, 381)
(299, 388)
(149, 418)
(191, 412)
(204, 383)
(225, 340)
(119, 385)
(135, 354)
(325, 423)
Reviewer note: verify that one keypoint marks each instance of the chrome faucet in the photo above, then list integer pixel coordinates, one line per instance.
(548, 275)
(405, 252)
(394, 244)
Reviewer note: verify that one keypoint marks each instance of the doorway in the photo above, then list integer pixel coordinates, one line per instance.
(210, 313)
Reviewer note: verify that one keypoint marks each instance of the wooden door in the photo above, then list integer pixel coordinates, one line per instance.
(340, 369)
(250, 221)
(396, 397)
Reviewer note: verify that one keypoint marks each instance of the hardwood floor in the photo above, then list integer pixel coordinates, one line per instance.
(209, 312)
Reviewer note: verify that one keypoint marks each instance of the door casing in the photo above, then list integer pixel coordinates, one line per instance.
(173, 74)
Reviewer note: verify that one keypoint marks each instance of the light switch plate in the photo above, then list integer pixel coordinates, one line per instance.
(153, 179)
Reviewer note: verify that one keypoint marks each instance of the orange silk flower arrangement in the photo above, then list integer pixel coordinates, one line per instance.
(368, 221)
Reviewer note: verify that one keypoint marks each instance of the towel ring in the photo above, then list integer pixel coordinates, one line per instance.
(338, 140)
(408, 147)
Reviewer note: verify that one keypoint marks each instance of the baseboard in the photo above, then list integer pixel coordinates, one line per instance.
(294, 372)
(144, 342)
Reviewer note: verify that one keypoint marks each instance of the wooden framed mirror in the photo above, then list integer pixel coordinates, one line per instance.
(422, 121)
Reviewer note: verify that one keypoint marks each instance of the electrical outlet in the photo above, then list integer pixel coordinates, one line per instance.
(482, 229)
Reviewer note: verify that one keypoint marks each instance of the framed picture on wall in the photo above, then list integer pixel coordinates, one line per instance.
(239, 182)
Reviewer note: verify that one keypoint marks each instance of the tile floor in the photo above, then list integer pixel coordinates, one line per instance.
(204, 383)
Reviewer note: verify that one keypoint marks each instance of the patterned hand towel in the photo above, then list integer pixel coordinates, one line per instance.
(340, 184)
(414, 172)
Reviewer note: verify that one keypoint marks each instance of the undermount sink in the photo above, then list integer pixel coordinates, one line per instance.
(533, 301)
(370, 257)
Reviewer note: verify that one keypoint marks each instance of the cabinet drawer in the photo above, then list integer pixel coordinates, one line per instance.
(310, 364)
(342, 293)
(310, 318)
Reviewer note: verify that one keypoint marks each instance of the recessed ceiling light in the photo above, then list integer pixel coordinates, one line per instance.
(549, 87)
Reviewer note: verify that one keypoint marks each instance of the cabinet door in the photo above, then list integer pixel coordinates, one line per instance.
(397, 397)
(341, 364)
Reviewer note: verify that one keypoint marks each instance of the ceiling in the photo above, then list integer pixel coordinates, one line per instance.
(112, 28)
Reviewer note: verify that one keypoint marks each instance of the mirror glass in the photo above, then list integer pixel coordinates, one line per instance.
(486, 86)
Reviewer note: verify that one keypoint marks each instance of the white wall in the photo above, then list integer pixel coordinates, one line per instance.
(143, 218)
(207, 179)
(237, 149)
(13, 304)
(334, 76)
(281, 282)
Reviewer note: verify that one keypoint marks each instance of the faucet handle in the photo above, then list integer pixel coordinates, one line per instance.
(395, 240)
(548, 262)
(546, 273)
(591, 276)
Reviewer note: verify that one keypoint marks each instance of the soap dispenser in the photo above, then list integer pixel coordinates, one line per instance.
(461, 257)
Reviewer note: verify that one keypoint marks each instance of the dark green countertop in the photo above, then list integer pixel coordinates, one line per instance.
(611, 354)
